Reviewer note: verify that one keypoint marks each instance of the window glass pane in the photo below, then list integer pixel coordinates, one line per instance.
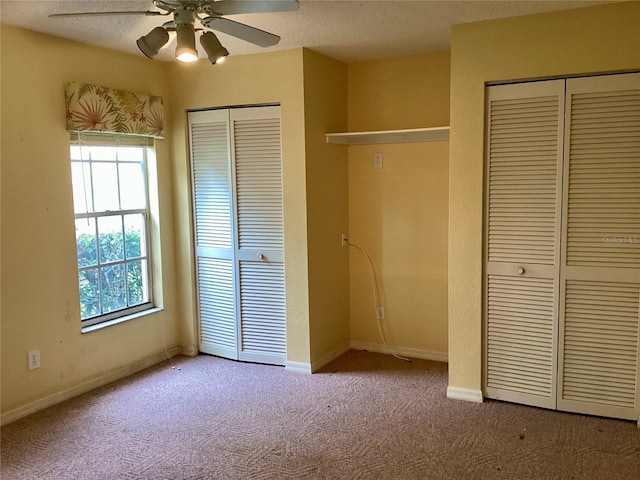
(114, 296)
(81, 180)
(135, 243)
(86, 242)
(111, 241)
(103, 153)
(105, 186)
(132, 194)
(80, 153)
(130, 154)
(89, 293)
(112, 248)
(137, 282)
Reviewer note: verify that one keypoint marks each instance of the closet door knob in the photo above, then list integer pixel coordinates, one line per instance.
(261, 256)
(520, 270)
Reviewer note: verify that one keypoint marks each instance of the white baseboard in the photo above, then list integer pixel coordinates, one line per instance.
(467, 395)
(402, 351)
(329, 357)
(304, 367)
(103, 379)
(298, 367)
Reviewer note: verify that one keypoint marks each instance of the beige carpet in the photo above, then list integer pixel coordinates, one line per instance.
(366, 416)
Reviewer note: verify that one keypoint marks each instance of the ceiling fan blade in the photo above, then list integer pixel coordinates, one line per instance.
(234, 7)
(105, 14)
(241, 31)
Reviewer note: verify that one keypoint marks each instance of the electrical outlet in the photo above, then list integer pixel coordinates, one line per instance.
(344, 240)
(377, 160)
(34, 359)
(380, 313)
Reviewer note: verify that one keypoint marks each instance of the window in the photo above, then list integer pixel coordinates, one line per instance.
(111, 216)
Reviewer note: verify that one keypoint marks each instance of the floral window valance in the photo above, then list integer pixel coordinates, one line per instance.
(102, 109)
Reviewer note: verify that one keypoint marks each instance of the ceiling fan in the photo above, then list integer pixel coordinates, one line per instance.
(210, 14)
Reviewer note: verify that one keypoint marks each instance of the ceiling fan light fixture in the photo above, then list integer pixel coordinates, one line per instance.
(186, 45)
(215, 51)
(152, 42)
(210, 14)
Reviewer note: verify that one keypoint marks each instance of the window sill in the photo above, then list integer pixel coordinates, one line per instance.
(116, 321)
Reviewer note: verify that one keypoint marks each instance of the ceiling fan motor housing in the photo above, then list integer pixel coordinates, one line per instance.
(184, 16)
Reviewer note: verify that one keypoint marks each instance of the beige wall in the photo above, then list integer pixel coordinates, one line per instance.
(325, 106)
(40, 307)
(38, 229)
(270, 78)
(574, 42)
(402, 92)
(399, 213)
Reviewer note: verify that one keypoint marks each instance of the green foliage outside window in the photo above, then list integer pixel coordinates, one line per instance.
(122, 284)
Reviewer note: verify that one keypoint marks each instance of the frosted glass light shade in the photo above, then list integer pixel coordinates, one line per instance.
(152, 42)
(215, 51)
(186, 44)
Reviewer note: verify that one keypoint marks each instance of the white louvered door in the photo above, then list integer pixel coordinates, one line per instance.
(524, 151)
(214, 236)
(562, 245)
(237, 195)
(260, 248)
(600, 280)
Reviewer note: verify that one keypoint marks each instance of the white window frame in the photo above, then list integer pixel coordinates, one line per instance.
(85, 141)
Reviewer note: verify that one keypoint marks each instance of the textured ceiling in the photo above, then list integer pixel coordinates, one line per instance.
(347, 30)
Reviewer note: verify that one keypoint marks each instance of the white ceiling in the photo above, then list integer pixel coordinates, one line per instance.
(348, 30)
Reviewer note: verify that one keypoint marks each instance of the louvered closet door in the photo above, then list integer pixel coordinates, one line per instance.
(214, 237)
(260, 252)
(524, 168)
(600, 301)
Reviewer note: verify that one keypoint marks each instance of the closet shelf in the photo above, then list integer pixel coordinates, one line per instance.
(434, 134)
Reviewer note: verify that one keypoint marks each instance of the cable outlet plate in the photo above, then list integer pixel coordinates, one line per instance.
(34, 359)
(343, 240)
